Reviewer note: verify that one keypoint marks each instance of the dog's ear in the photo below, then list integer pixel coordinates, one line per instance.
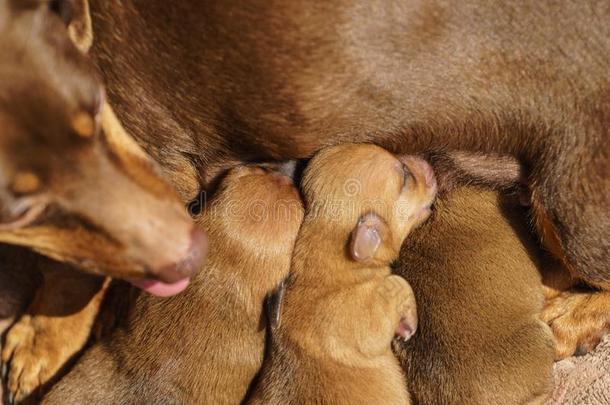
(77, 17)
(367, 237)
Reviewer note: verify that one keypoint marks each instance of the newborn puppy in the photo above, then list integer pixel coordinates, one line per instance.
(343, 307)
(474, 268)
(205, 345)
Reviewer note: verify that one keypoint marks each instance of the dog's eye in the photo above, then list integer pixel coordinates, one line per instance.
(63, 9)
(406, 174)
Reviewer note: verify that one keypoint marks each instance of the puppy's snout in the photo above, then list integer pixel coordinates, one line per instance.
(190, 264)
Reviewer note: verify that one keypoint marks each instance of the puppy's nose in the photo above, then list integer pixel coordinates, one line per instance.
(190, 264)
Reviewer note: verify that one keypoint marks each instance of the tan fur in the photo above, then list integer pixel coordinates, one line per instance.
(339, 314)
(205, 345)
(578, 318)
(56, 327)
(475, 272)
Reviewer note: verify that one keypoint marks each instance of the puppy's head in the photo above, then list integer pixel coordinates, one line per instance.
(73, 185)
(254, 219)
(369, 196)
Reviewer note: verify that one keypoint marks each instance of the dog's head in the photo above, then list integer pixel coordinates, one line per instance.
(73, 185)
(370, 196)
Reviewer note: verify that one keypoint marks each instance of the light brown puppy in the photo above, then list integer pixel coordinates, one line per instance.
(206, 345)
(342, 306)
(474, 268)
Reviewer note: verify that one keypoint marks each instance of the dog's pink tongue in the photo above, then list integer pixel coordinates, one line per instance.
(161, 289)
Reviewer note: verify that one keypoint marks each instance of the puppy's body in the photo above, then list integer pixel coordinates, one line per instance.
(205, 345)
(260, 80)
(475, 271)
(342, 307)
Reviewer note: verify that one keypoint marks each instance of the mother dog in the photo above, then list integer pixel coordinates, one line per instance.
(204, 84)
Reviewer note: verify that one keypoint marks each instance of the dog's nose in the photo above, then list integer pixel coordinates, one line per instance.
(190, 264)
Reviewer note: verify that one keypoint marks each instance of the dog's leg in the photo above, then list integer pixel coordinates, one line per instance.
(571, 194)
(55, 327)
(578, 319)
(398, 296)
(391, 312)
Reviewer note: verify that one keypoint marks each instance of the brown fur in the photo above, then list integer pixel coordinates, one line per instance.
(57, 324)
(205, 345)
(67, 167)
(204, 87)
(342, 308)
(475, 271)
(73, 187)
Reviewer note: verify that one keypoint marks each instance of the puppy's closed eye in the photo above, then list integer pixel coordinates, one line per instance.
(406, 173)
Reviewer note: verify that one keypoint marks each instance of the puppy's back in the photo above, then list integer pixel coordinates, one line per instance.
(475, 273)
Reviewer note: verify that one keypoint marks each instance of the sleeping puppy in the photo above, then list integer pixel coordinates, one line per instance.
(475, 270)
(342, 306)
(205, 345)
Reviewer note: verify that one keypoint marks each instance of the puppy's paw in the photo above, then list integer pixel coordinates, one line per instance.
(30, 357)
(578, 320)
(398, 293)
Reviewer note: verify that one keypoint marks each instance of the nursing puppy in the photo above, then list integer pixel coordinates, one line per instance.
(476, 272)
(342, 306)
(206, 345)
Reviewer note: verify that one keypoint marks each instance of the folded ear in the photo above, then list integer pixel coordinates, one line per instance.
(79, 26)
(367, 237)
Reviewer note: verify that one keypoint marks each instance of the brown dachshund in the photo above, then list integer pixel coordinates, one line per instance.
(202, 87)
(205, 345)
(342, 307)
(74, 187)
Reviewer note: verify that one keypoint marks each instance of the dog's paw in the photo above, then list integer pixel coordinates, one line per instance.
(578, 320)
(398, 292)
(30, 358)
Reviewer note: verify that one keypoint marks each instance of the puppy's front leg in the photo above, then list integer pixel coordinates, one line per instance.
(398, 296)
(55, 327)
(389, 305)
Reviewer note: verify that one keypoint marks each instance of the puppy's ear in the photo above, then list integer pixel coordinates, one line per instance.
(79, 23)
(367, 237)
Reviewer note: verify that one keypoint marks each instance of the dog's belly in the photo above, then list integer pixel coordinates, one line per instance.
(221, 83)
